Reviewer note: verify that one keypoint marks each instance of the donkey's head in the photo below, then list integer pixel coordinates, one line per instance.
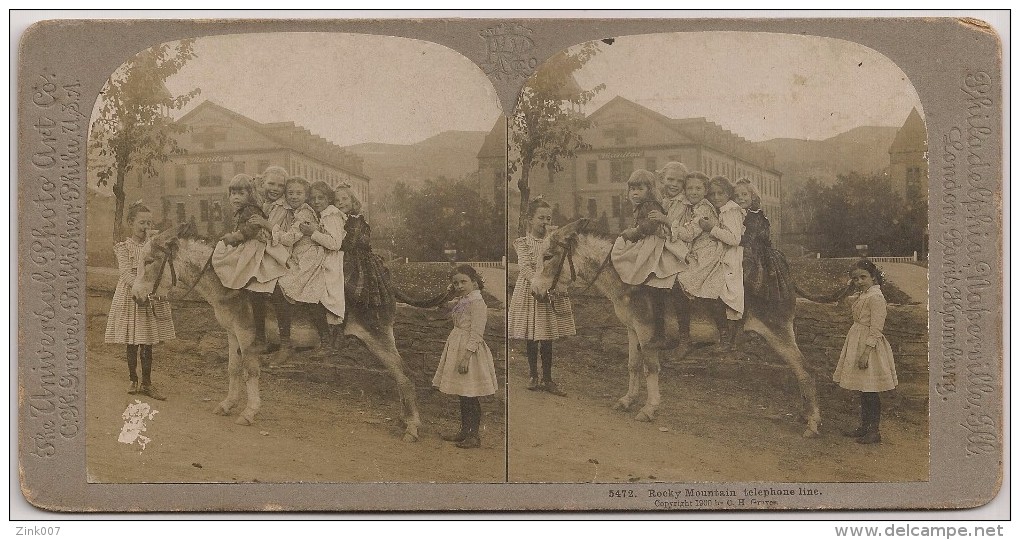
(557, 265)
(156, 273)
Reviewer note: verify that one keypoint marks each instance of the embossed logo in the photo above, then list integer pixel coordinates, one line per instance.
(507, 47)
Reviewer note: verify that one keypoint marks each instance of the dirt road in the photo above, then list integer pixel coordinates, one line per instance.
(726, 422)
(327, 421)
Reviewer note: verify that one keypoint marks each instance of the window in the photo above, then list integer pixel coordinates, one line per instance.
(650, 164)
(616, 205)
(180, 176)
(239, 167)
(210, 175)
(139, 178)
(181, 215)
(593, 208)
(620, 169)
(593, 172)
(263, 165)
(203, 210)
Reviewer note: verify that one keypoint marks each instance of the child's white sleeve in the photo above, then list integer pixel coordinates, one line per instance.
(333, 236)
(876, 305)
(730, 228)
(479, 315)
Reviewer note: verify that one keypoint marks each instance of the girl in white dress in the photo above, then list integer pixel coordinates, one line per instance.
(866, 363)
(127, 323)
(466, 368)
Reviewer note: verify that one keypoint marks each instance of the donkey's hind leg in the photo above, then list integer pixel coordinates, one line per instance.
(783, 340)
(233, 376)
(635, 370)
(383, 346)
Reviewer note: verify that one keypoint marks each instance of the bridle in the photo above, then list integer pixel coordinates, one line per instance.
(169, 253)
(568, 246)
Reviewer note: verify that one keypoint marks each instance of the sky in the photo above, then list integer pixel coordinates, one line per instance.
(357, 88)
(348, 88)
(758, 85)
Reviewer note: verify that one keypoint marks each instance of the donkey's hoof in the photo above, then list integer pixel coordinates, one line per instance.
(409, 438)
(644, 416)
(622, 404)
(246, 419)
(223, 409)
(810, 434)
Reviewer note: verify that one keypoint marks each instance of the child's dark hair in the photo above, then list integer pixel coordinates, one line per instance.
(724, 183)
(299, 180)
(870, 268)
(535, 204)
(135, 209)
(322, 187)
(699, 176)
(470, 272)
(646, 179)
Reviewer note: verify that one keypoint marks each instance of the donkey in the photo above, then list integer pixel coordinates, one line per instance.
(188, 262)
(585, 251)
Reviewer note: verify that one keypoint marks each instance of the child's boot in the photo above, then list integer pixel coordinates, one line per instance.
(545, 347)
(733, 330)
(471, 439)
(460, 435)
(660, 340)
(132, 360)
(875, 412)
(861, 429)
(682, 306)
(532, 351)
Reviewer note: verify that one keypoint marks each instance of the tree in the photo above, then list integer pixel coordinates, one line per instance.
(134, 128)
(547, 124)
(445, 214)
(857, 209)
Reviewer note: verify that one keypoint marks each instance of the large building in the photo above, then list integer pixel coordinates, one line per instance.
(626, 136)
(220, 143)
(492, 163)
(908, 166)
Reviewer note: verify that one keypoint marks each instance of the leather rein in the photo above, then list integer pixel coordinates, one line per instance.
(568, 246)
(169, 253)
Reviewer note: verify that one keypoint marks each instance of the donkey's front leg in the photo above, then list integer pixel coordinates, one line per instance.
(233, 376)
(251, 369)
(634, 372)
(652, 360)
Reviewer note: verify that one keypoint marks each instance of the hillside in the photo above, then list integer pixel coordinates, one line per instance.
(450, 154)
(863, 149)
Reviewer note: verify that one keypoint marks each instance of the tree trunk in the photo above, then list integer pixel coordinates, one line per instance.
(524, 185)
(118, 213)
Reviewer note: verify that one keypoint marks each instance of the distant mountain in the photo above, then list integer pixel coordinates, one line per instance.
(863, 149)
(451, 154)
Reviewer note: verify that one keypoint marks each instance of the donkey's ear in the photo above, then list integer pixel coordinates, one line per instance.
(185, 230)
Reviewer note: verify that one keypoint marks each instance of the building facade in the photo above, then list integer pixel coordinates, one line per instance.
(908, 164)
(492, 164)
(220, 143)
(625, 137)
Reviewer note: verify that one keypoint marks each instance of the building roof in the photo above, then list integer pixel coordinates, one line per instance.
(494, 144)
(293, 136)
(703, 131)
(912, 137)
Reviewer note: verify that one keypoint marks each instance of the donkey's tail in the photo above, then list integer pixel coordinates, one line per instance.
(828, 299)
(425, 303)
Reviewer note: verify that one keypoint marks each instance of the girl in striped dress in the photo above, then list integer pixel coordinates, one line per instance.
(538, 323)
(138, 327)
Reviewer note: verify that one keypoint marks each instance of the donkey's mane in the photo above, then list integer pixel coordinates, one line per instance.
(591, 227)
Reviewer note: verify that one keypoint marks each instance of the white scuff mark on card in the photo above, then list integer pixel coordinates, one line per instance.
(134, 423)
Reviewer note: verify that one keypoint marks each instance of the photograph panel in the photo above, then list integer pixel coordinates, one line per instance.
(686, 221)
(294, 240)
